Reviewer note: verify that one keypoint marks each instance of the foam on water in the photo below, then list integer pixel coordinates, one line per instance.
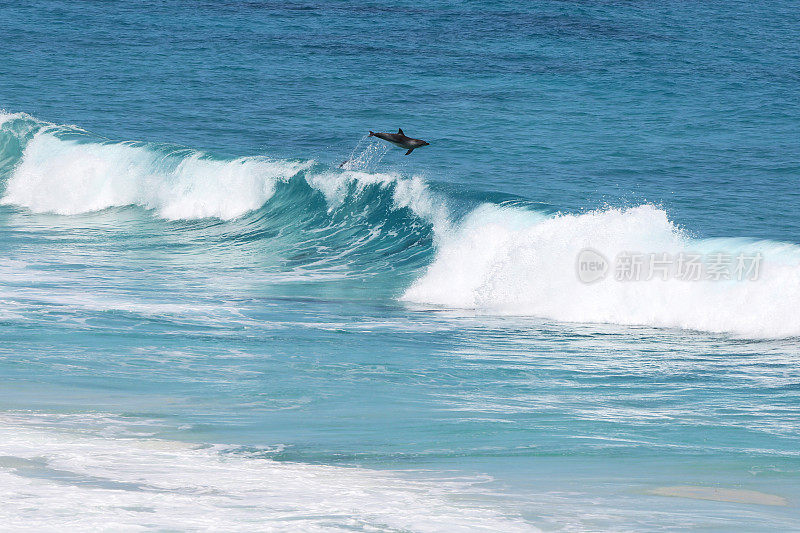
(514, 261)
(47, 473)
(68, 177)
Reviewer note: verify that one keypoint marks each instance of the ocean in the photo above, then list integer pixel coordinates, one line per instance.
(224, 307)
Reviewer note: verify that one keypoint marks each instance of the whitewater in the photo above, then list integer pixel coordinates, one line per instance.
(506, 258)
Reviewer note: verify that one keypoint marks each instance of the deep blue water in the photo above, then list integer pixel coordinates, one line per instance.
(206, 323)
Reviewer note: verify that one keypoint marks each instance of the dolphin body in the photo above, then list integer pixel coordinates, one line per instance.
(400, 139)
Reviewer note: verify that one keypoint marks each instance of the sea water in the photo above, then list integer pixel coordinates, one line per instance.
(207, 323)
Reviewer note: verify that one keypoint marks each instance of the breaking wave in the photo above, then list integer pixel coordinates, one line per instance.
(519, 262)
(453, 252)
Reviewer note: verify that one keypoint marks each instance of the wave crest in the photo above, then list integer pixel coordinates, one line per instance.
(512, 261)
(69, 177)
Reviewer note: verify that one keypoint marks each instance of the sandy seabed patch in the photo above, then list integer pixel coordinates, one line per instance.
(719, 494)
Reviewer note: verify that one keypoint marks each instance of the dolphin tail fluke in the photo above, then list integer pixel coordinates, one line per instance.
(371, 133)
(409, 151)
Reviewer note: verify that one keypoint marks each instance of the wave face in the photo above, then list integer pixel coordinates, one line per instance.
(66, 171)
(310, 213)
(489, 257)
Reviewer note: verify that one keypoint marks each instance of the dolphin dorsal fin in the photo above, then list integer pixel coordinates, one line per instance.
(400, 131)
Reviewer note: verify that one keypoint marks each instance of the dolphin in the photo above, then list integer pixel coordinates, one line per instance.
(400, 139)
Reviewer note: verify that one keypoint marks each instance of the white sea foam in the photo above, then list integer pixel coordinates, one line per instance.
(53, 478)
(5, 116)
(70, 177)
(514, 261)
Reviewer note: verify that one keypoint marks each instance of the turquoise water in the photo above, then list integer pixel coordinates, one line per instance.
(207, 323)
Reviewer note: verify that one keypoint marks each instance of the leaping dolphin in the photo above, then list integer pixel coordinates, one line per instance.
(400, 139)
